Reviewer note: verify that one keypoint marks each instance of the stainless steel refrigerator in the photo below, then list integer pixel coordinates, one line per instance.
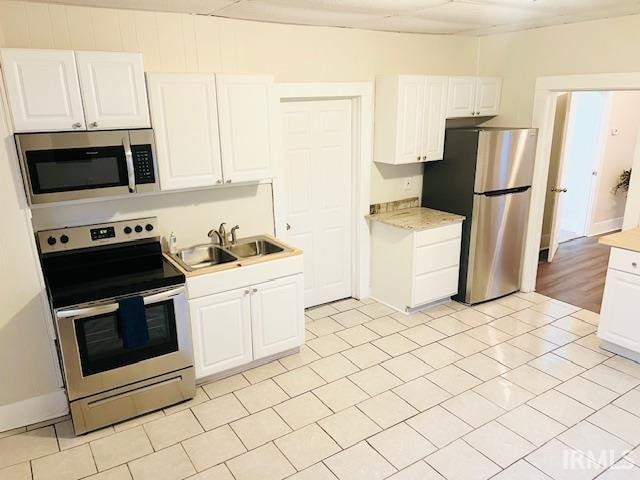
(485, 175)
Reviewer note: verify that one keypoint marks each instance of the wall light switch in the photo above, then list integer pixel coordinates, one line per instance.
(408, 183)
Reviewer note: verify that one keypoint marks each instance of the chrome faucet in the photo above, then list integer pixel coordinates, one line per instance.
(220, 234)
(234, 239)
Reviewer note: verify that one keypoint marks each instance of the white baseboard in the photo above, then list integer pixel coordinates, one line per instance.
(606, 226)
(33, 410)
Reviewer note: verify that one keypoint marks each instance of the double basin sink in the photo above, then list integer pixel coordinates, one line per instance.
(210, 254)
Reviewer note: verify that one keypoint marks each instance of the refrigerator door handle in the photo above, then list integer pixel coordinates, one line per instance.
(497, 193)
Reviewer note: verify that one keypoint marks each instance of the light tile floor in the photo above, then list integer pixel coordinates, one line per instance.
(513, 389)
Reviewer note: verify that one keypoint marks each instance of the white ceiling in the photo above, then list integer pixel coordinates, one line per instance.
(468, 17)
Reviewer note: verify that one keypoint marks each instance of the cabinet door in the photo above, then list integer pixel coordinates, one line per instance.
(410, 116)
(221, 329)
(620, 307)
(247, 107)
(277, 316)
(434, 118)
(462, 97)
(42, 88)
(185, 123)
(488, 92)
(114, 94)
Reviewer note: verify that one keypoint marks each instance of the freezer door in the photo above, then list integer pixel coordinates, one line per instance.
(505, 159)
(496, 245)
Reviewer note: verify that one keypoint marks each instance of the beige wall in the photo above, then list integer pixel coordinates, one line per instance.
(176, 43)
(618, 154)
(520, 58)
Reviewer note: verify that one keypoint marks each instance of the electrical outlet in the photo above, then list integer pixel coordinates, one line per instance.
(408, 183)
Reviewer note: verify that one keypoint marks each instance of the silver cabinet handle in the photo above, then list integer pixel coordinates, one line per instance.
(93, 124)
(255, 290)
(128, 155)
(229, 180)
(418, 158)
(246, 292)
(634, 264)
(424, 157)
(218, 182)
(288, 227)
(77, 125)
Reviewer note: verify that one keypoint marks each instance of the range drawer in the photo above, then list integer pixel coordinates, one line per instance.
(430, 258)
(625, 261)
(433, 286)
(438, 234)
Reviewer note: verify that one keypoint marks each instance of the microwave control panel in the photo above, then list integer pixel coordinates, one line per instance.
(143, 164)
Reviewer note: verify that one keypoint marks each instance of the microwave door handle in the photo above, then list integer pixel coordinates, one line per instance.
(128, 156)
(113, 307)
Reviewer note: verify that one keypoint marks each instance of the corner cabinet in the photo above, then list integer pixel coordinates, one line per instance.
(410, 118)
(474, 96)
(246, 314)
(42, 89)
(63, 90)
(114, 94)
(247, 109)
(185, 120)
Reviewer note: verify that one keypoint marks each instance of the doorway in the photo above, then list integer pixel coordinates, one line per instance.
(592, 151)
(318, 173)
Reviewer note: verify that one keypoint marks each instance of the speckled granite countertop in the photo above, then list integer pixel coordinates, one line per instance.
(416, 218)
(628, 240)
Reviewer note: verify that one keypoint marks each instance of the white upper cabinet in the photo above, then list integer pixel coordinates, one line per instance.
(488, 92)
(410, 117)
(277, 316)
(474, 96)
(113, 90)
(247, 110)
(185, 123)
(462, 97)
(42, 88)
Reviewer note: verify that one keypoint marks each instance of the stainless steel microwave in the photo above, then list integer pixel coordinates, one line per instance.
(63, 166)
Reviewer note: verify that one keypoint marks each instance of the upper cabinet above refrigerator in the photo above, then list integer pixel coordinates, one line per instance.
(410, 118)
(474, 97)
(63, 90)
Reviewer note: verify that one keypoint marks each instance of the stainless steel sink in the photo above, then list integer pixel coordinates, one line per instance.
(255, 247)
(202, 256)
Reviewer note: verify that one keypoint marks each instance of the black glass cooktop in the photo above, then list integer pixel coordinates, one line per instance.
(101, 273)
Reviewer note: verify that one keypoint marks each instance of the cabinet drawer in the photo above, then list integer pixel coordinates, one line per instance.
(438, 234)
(433, 286)
(437, 256)
(625, 261)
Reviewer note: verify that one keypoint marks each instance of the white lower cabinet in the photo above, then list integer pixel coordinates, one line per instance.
(256, 319)
(621, 302)
(277, 316)
(410, 268)
(221, 330)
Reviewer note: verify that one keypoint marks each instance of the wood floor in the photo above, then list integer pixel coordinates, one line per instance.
(576, 274)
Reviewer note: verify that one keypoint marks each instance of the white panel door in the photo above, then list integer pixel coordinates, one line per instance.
(434, 118)
(277, 316)
(113, 90)
(246, 106)
(317, 180)
(43, 90)
(185, 123)
(410, 118)
(620, 307)
(462, 97)
(488, 92)
(221, 330)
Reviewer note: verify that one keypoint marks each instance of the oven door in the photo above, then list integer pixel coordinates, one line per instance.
(94, 357)
(71, 166)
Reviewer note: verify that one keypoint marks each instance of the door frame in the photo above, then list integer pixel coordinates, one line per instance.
(544, 105)
(361, 96)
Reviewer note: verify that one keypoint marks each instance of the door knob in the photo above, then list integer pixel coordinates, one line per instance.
(559, 190)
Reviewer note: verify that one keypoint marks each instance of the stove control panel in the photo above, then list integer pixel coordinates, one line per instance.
(85, 236)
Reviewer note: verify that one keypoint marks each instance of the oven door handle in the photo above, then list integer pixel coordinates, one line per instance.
(128, 156)
(113, 307)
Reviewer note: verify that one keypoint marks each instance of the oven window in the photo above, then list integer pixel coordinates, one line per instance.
(100, 343)
(71, 169)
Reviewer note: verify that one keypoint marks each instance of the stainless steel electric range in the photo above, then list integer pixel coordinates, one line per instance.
(121, 320)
